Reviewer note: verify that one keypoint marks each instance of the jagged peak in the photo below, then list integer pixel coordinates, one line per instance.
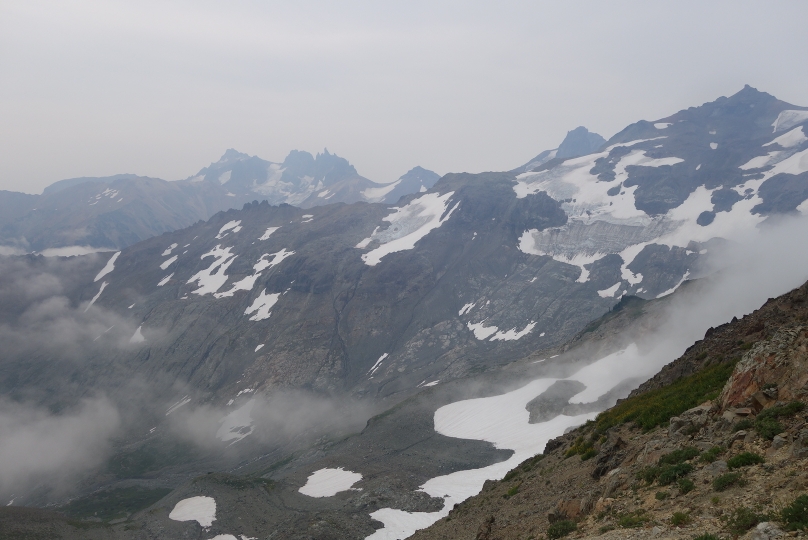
(231, 154)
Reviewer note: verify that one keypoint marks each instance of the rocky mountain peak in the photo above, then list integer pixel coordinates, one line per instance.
(233, 155)
(579, 142)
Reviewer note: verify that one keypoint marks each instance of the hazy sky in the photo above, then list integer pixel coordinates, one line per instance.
(162, 88)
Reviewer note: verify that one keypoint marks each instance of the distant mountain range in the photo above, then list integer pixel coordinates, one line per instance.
(80, 215)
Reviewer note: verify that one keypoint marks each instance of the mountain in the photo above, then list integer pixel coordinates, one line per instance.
(80, 215)
(306, 181)
(578, 142)
(214, 341)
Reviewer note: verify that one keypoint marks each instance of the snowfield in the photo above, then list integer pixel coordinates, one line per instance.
(200, 509)
(329, 482)
(408, 224)
(262, 305)
(213, 278)
(503, 420)
(110, 266)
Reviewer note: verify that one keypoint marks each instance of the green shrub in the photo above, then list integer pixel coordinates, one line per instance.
(633, 520)
(512, 491)
(678, 456)
(742, 519)
(768, 428)
(664, 475)
(712, 454)
(656, 407)
(589, 454)
(583, 447)
(726, 481)
(680, 518)
(670, 473)
(706, 537)
(744, 425)
(795, 515)
(766, 423)
(662, 495)
(513, 473)
(744, 459)
(560, 529)
(782, 411)
(648, 474)
(686, 485)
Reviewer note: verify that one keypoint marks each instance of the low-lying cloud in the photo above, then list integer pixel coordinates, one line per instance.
(38, 448)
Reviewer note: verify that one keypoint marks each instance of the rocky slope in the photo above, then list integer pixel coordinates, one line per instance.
(653, 466)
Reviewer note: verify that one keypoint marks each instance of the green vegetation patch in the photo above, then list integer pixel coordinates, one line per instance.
(633, 520)
(680, 519)
(706, 536)
(744, 459)
(585, 447)
(679, 456)
(712, 454)
(795, 515)
(742, 519)
(666, 474)
(115, 503)
(657, 407)
(560, 529)
(685, 485)
(726, 481)
(766, 423)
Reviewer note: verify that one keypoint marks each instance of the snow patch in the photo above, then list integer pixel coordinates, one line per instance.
(512, 334)
(377, 364)
(182, 402)
(259, 347)
(673, 289)
(329, 482)
(165, 279)
(103, 286)
(713, 145)
(787, 119)
(168, 250)
(262, 305)
(200, 509)
(662, 125)
(168, 262)
(609, 293)
(137, 337)
(465, 309)
(481, 331)
(212, 278)
(234, 226)
(268, 233)
(409, 224)
(793, 138)
(378, 194)
(110, 266)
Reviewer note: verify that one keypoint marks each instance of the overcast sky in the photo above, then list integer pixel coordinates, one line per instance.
(163, 88)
